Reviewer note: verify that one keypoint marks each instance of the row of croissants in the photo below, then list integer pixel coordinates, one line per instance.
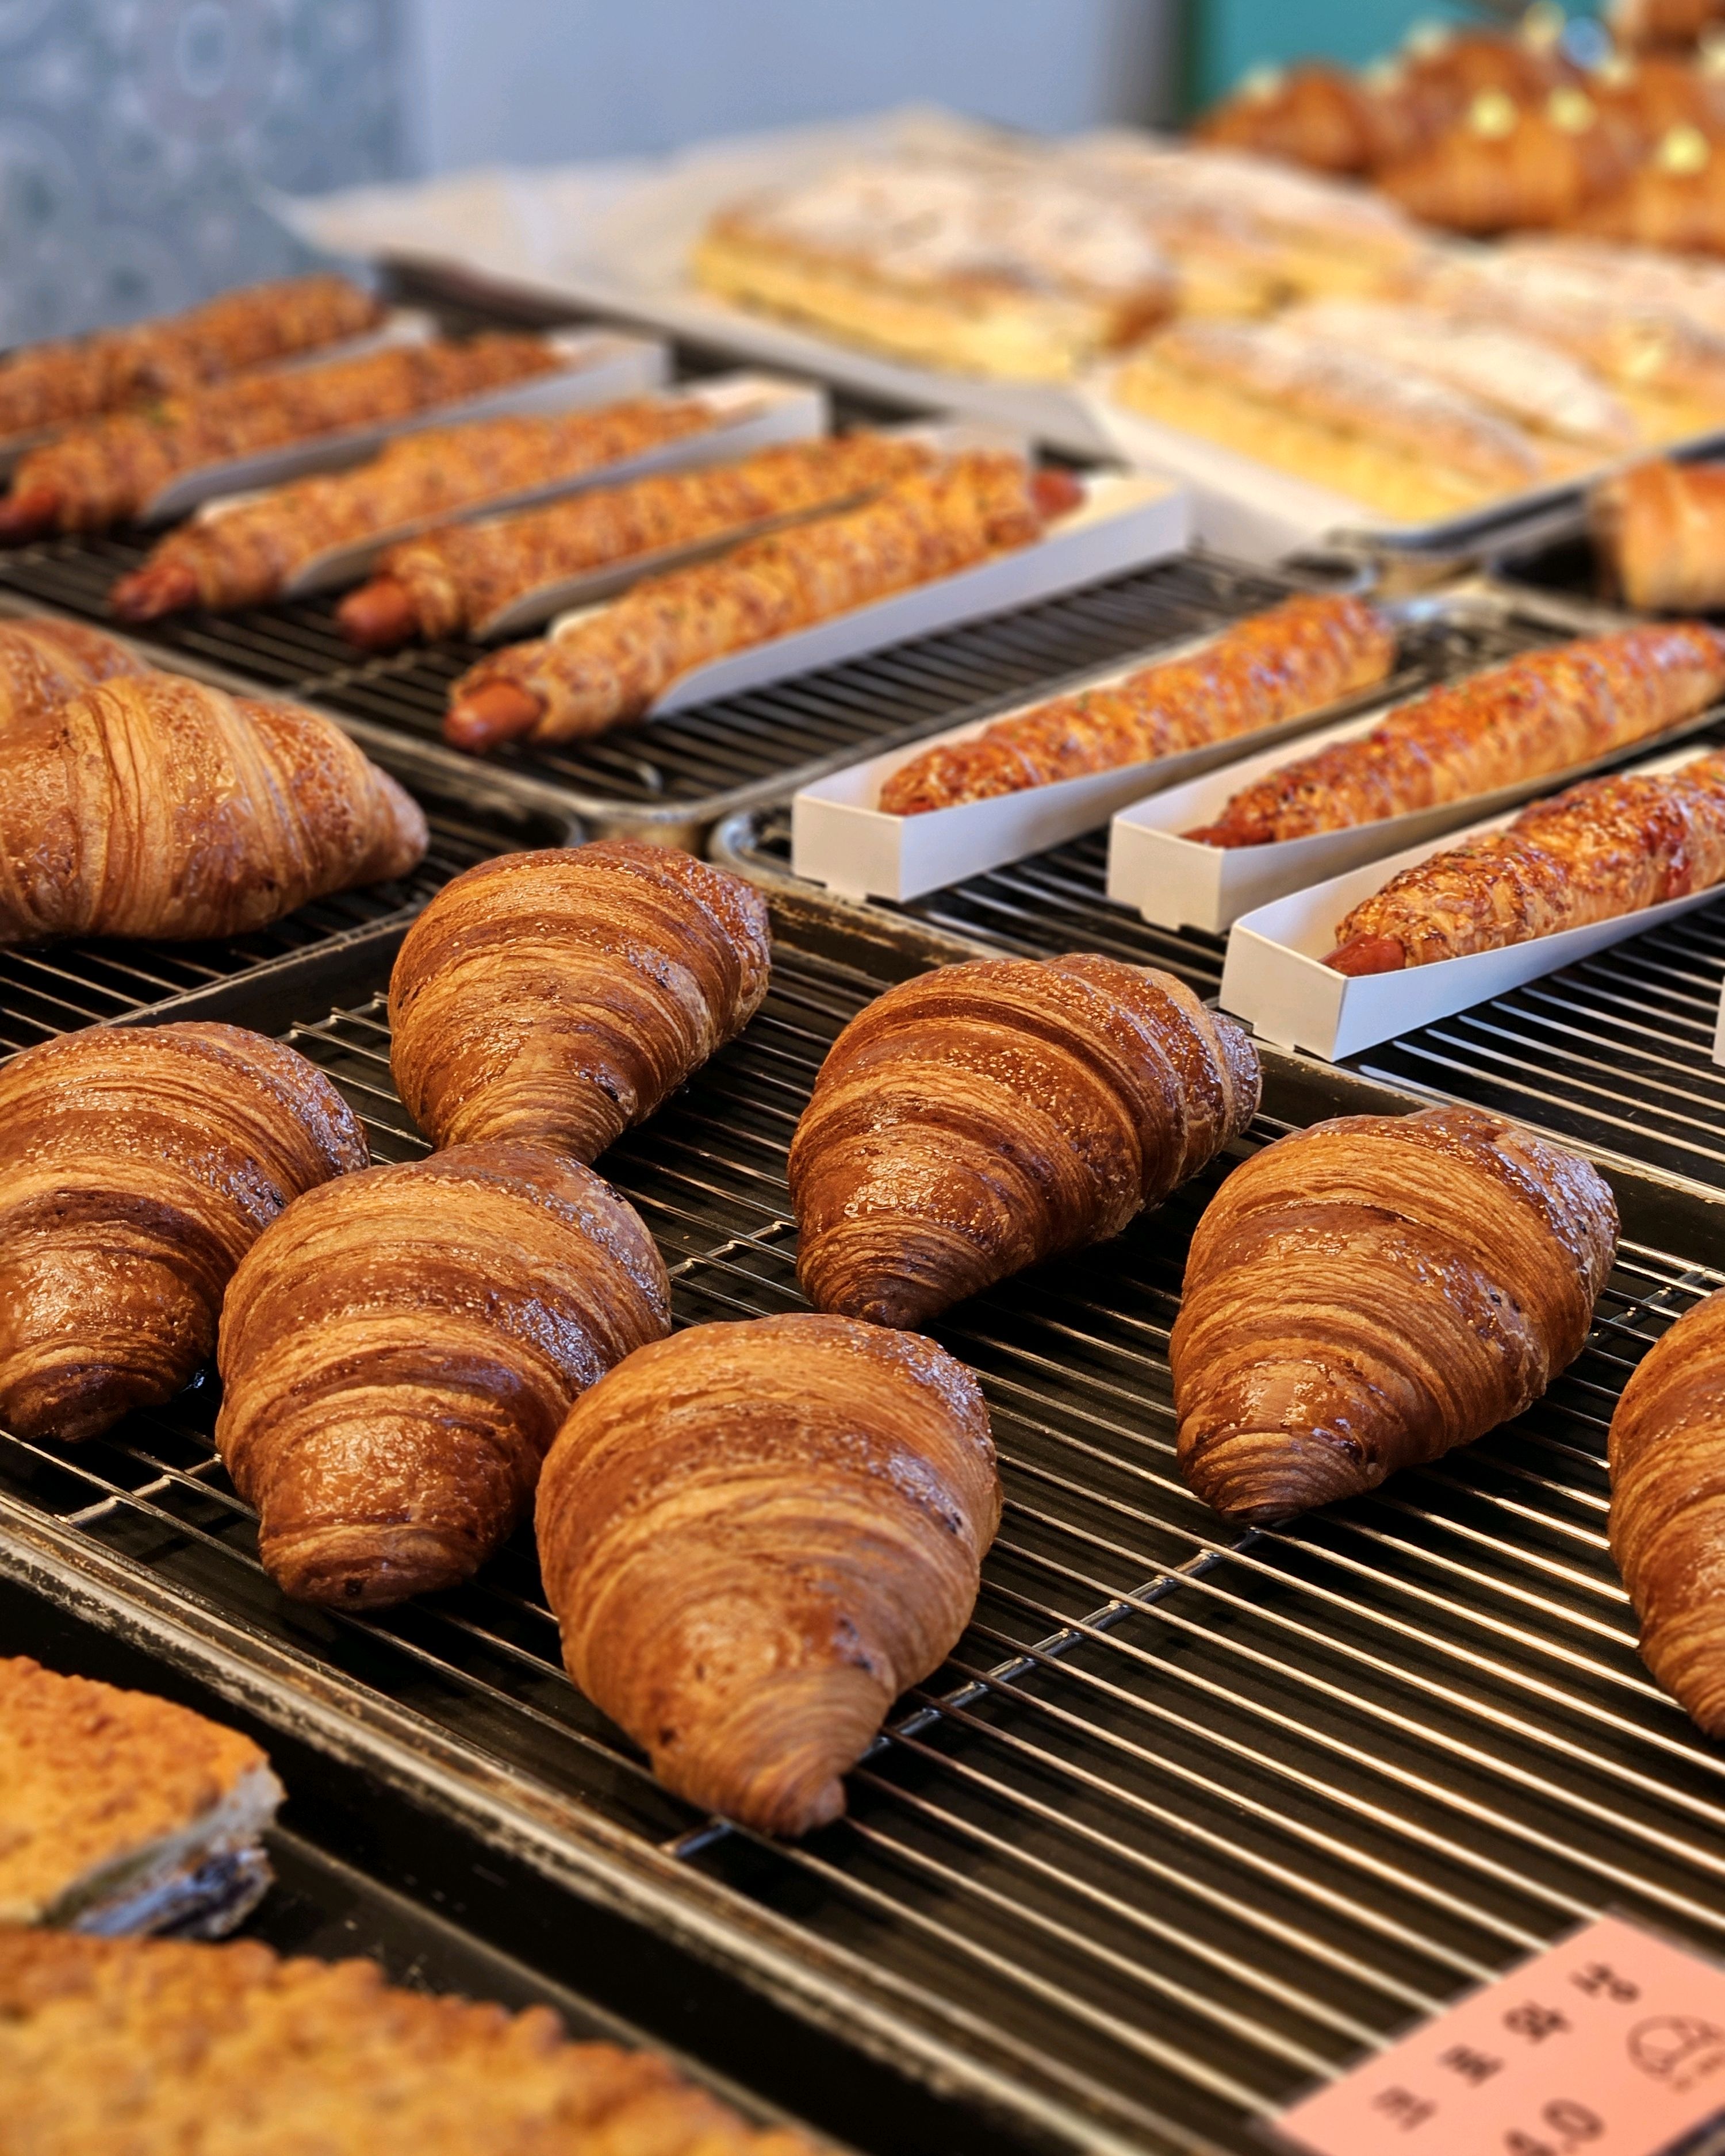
(756, 1535)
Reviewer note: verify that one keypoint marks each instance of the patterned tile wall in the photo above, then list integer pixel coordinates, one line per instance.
(135, 134)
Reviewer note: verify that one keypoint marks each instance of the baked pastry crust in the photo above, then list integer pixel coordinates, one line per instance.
(112, 1803)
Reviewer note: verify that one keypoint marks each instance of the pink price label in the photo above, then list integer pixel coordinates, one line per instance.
(1612, 2044)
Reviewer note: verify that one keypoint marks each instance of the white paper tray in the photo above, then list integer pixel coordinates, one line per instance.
(598, 367)
(1274, 977)
(841, 838)
(754, 411)
(1126, 519)
(1178, 883)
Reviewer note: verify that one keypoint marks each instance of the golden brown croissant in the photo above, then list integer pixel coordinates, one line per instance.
(1505, 167)
(458, 579)
(397, 1353)
(562, 996)
(983, 1117)
(1296, 657)
(1605, 848)
(1314, 114)
(1545, 712)
(1661, 529)
(755, 1537)
(45, 663)
(1667, 1452)
(1673, 24)
(136, 1169)
(109, 470)
(1675, 200)
(155, 806)
(611, 665)
(45, 384)
(158, 2048)
(1366, 1295)
(249, 551)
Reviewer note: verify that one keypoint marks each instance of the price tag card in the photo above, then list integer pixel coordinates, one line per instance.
(1612, 2044)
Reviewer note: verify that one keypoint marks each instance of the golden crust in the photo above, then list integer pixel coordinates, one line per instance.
(172, 2050)
(91, 1776)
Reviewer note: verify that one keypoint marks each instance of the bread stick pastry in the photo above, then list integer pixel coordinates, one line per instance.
(562, 996)
(988, 266)
(1667, 1450)
(109, 470)
(1366, 1295)
(165, 2049)
(399, 1349)
(1504, 166)
(1298, 657)
(255, 546)
(46, 664)
(611, 664)
(137, 1165)
(1403, 443)
(120, 1813)
(1606, 848)
(984, 1117)
(457, 580)
(1660, 528)
(152, 805)
(755, 1537)
(45, 385)
(1544, 712)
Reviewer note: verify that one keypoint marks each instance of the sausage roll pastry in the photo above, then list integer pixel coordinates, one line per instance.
(1543, 712)
(160, 2047)
(1606, 848)
(119, 1812)
(45, 385)
(756, 1537)
(1661, 531)
(610, 664)
(112, 468)
(1667, 1458)
(250, 551)
(453, 582)
(989, 265)
(1299, 657)
(1366, 1295)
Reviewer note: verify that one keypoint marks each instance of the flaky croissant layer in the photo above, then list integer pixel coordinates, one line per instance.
(136, 1169)
(1366, 1295)
(755, 1536)
(397, 1355)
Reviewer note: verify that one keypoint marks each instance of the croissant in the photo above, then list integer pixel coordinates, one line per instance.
(46, 664)
(1675, 200)
(1314, 114)
(1676, 23)
(154, 806)
(136, 1169)
(562, 996)
(111, 469)
(1275, 666)
(397, 1353)
(459, 578)
(1368, 1294)
(1668, 1507)
(1543, 712)
(45, 384)
(252, 550)
(983, 1117)
(611, 664)
(755, 1537)
(1605, 848)
(1660, 531)
(1505, 167)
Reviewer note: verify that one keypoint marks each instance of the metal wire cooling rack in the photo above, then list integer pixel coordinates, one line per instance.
(1193, 1816)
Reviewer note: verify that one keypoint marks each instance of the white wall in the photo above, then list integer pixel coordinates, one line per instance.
(538, 81)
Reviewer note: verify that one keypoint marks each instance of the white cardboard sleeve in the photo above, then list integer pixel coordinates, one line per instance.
(1274, 977)
(840, 837)
(750, 412)
(1126, 518)
(1180, 883)
(598, 365)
